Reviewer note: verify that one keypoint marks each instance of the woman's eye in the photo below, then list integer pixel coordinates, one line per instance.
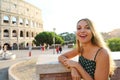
(88, 28)
(78, 28)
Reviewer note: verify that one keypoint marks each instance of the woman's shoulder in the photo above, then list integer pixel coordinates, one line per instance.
(103, 54)
(105, 51)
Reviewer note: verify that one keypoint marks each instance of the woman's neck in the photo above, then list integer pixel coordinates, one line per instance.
(87, 47)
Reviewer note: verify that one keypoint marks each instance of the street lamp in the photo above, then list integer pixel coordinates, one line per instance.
(54, 40)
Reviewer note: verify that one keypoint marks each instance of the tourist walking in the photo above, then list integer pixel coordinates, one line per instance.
(60, 49)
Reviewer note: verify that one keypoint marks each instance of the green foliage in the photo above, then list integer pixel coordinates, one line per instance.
(68, 37)
(59, 40)
(47, 38)
(114, 44)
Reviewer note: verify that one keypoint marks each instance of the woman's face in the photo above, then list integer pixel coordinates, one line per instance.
(84, 33)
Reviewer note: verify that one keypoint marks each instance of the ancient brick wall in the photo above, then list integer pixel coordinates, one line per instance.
(56, 76)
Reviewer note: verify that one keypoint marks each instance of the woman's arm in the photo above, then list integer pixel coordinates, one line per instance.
(102, 65)
(67, 55)
(79, 68)
(65, 60)
(75, 74)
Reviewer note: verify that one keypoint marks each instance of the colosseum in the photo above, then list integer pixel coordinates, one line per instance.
(20, 22)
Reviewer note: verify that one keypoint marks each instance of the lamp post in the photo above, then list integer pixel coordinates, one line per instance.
(54, 40)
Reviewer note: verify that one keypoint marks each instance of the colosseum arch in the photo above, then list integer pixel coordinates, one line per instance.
(21, 21)
(7, 45)
(14, 20)
(27, 44)
(6, 33)
(26, 22)
(32, 34)
(27, 34)
(15, 46)
(21, 33)
(31, 24)
(6, 19)
(14, 33)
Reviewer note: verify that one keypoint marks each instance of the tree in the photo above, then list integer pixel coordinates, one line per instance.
(68, 37)
(114, 44)
(47, 38)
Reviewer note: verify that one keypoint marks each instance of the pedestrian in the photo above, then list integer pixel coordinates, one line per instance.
(57, 49)
(30, 50)
(40, 46)
(94, 61)
(43, 48)
(60, 49)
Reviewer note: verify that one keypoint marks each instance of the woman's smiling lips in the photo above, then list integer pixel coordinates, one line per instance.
(83, 36)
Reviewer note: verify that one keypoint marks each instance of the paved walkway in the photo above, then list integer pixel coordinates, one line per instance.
(4, 65)
(26, 70)
(22, 55)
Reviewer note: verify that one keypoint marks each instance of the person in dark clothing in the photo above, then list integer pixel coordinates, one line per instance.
(60, 49)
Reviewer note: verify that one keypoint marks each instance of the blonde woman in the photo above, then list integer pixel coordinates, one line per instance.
(94, 61)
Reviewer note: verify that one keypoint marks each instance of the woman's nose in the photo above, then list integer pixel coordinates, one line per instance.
(82, 30)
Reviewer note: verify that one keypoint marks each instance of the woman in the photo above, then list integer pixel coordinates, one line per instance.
(94, 62)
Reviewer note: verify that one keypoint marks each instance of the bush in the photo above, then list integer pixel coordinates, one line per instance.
(114, 44)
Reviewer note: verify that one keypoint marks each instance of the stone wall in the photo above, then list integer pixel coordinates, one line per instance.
(53, 70)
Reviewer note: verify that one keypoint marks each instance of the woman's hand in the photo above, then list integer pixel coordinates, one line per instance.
(75, 74)
(70, 63)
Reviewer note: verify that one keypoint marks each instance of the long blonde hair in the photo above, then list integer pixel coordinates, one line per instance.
(97, 40)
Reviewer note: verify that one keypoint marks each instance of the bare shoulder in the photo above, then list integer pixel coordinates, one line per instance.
(103, 54)
(102, 65)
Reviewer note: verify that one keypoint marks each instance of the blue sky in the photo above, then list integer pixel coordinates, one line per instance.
(64, 14)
